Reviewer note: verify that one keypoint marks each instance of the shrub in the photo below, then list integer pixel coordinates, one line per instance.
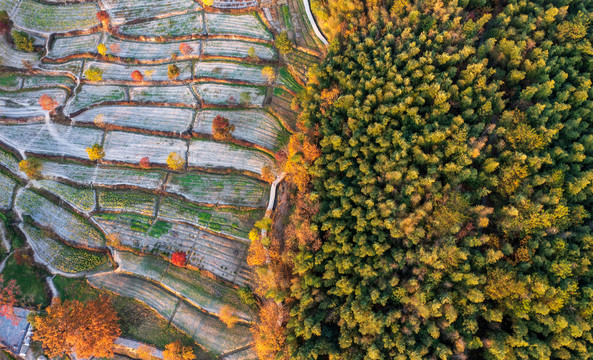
(283, 43)
(179, 258)
(31, 167)
(22, 41)
(221, 128)
(5, 23)
(175, 162)
(245, 98)
(176, 351)
(246, 296)
(208, 2)
(95, 152)
(227, 316)
(267, 175)
(137, 76)
(93, 74)
(172, 71)
(251, 53)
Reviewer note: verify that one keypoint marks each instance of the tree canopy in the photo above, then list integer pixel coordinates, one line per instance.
(454, 185)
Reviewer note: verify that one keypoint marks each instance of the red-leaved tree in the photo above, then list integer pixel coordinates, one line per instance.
(179, 258)
(8, 292)
(137, 76)
(47, 102)
(144, 163)
(103, 17)
(222, 128)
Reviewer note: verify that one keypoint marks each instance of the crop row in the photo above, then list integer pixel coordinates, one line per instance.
(141, 117)
(82, 199)
(46, 18)
(60, 256)
(94, 94)
(65, 224)
(7, 186)
(128, 201)
(124, 11)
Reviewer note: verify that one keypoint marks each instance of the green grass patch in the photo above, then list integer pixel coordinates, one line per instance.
(159, 229)
(29, 278)
(9, 80)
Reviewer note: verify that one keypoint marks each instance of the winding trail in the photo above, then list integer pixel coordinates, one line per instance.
(54, 291)
(3, 264)
(314, 23)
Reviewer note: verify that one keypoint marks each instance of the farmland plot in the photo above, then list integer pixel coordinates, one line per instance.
(140, 117)
(25, 104)
(142, 232)
(65, 224)
(238, 48)
(56, 139)
(48, 81)
(71, 45)
(118, 72)
(229, 189)
(234, 4)
(103, 175)
(10, 82)
(8, 5)
(124, 11)
(253, 125)
(130, 147)
(9, 161)
(152, 295)
(13, 58)
(227, 221)
(127, 201)
(80, 198)
(94, 94)
(149, 50)
(73, 67)
(219, 255)
(46, 18)
(149, 267)
(230, 71)
(60, 256)
(7, 186)
(213, 154)
(223, 94)
(164, 94)
(209, 331)
(199, 290)
(286, 79)
(246, 25)
(179, 25)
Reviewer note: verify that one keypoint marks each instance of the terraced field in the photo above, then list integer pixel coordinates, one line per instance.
(148, 82)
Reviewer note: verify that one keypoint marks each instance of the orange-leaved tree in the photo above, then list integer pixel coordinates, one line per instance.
(8, 292)
(179, 258)
(227, 316)
(103, 17)
(221, 128)
(31, 167)
(86, 329)
(176, 351)
(47, 102)
(268, 333)
(185, 49)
